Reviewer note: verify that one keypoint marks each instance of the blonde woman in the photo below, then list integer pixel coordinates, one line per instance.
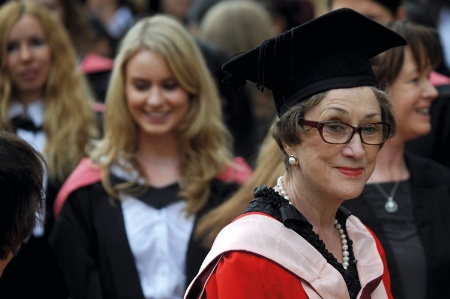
(45, 100)
(127, 216)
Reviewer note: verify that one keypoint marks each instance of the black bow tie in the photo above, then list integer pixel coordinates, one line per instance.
(25, 123)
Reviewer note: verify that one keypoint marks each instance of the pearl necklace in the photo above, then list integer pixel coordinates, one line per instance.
(281, 190)
(337, 225)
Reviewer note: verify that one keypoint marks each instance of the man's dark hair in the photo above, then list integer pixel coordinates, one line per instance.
(22, 172)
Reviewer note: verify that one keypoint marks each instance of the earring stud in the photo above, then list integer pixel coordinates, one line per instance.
(293, 160)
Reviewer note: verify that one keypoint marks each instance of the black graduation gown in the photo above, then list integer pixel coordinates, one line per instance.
(102, 264)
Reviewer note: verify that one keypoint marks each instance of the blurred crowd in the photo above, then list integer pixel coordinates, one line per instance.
(86, 83)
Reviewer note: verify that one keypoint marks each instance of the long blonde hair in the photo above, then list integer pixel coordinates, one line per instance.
(69, 118)
(202, 135)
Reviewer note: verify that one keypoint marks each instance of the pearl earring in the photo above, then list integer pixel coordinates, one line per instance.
(293, 160)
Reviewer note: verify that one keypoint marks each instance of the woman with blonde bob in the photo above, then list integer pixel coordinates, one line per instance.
(45, 100)
(128, 214)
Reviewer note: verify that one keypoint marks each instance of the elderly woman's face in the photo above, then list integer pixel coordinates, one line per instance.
(339, 170)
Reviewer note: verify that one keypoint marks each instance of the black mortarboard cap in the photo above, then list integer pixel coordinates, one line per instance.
(329, 52)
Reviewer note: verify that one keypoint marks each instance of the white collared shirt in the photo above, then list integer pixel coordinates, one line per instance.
(35, 111)
(158, 239)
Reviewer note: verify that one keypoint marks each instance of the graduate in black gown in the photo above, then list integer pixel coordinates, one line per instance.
(46, 101)
(126, 218)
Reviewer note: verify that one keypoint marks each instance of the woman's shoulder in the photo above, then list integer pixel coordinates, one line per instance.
(86, 173)
(248, 232)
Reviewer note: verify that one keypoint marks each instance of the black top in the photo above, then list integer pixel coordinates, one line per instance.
(403, 237)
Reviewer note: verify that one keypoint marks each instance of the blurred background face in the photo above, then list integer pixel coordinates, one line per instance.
(176, 8)
(28, 58)
(99, 4)
(155, 99)
(370, 8)
(412, 94)
(55, 6)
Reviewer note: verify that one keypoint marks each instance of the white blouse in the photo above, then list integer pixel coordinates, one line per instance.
(35, 111)
(158, 239)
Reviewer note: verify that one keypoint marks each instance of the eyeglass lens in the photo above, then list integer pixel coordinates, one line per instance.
(337, 132)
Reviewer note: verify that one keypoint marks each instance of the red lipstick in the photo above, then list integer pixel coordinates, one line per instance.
(352, 172)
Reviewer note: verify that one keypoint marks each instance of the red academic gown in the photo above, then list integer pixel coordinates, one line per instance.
(257, 257)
